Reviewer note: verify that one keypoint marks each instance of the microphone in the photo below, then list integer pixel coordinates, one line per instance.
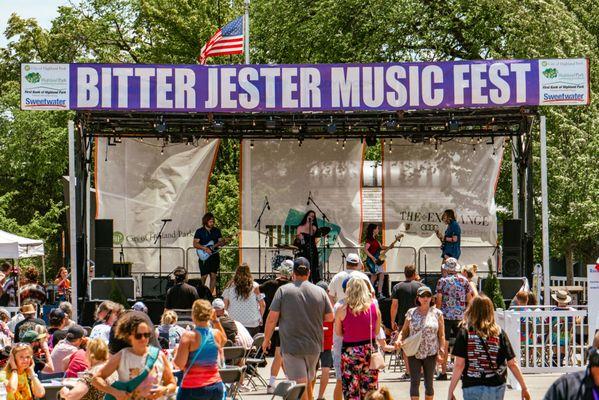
(267, 203)
(309, 197)
(166, 220)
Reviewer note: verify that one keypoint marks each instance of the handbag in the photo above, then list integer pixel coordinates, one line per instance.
(131, 385)
(411, 344)
(498, 370)
(377, 359)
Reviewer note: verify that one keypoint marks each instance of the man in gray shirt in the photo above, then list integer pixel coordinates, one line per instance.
(300, 309)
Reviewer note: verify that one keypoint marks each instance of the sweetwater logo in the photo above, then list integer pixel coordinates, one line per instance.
(550, 73)
(33, 77)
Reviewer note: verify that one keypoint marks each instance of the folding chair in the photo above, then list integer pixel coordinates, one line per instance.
(232, 378)
(289, 390)
(234, 354)
(254, 359)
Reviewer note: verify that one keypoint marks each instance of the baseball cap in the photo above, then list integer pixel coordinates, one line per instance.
(75, 332)
(451, 265)
(140, 306)
(301, 266)
(30, 336)
(56, 316)
(424, 290)
(352, 258)
(218, 304)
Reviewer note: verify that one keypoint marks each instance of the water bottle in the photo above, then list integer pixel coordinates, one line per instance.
(172, 338)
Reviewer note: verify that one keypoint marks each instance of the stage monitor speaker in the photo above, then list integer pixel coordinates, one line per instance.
(103, 262)
(101, 288)
(512, 263)
(104, 231)
(153, 286)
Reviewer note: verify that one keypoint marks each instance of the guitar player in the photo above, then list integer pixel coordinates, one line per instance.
(373, 248)
(203, 236)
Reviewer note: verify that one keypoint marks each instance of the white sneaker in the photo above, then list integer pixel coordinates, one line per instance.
(270, 389)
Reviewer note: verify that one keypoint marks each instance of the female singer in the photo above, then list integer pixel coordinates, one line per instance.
(450, 241)
(307, 244)
(63, 283)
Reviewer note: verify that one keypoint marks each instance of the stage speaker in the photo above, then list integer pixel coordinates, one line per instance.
(509, 287)
(512, 263)
(104, 232)
(154, 286)
(103, 251)
(101, 288)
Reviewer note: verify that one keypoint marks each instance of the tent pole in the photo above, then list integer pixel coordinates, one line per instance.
(73, 217)
(545, 212)
(18, 269)
(44, 268)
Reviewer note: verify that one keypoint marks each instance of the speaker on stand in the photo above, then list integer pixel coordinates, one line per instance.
(103, 251)
(512, 262)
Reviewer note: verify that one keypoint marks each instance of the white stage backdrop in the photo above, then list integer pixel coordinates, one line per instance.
(286, 173)
(419, 183)
(137, 187)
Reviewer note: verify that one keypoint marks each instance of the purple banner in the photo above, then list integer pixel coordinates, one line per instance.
(327, 87)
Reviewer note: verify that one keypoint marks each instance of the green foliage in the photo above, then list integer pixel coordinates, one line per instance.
(493, 289)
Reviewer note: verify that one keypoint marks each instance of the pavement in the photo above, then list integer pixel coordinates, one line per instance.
(537, 386)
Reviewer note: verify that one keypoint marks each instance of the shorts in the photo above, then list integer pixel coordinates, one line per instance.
(326, 359)
(484, 392)
(216, 391)
(451, 328)
(300, 366)
(210, 266)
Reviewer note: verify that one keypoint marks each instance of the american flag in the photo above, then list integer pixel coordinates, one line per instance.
(227, 40)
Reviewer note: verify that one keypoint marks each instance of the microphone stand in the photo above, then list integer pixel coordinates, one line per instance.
(159, 240)
(258, 224)
(325, 219)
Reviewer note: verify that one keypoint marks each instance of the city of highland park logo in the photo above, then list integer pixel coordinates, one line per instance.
(543, 63)
(27, 67)
(33, 77)
(118, 238)
(550, 73)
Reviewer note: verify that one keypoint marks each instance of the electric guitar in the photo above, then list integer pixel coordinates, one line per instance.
(379, 255)
(214, 247)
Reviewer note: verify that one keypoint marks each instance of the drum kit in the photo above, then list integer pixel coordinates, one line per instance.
(278, 258)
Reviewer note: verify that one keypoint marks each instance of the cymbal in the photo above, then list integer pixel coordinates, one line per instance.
(322, 231)
(284, 246)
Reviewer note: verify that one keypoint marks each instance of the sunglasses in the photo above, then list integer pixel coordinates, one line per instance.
(425, 295)
(139, 336)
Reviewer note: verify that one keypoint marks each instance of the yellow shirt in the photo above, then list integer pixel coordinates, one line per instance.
(23, 387)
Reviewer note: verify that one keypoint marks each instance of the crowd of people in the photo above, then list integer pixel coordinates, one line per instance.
(335, 326)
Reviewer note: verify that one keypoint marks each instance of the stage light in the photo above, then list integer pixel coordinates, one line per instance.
(337, 141)
(454, 125)
(436, 146)
(473, 147)
(390, 148)
(331, 127)
(252, 144)
(295, 129)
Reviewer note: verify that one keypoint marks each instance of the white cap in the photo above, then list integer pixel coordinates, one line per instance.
(218, 304)
(353, 258)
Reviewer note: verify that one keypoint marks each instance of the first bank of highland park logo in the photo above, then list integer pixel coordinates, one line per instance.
(550, 73)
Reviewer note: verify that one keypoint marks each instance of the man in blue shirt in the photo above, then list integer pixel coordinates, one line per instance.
(201, 240)
(450, 241)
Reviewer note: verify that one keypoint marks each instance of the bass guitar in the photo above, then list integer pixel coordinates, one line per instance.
(214, 247)
(379, 255)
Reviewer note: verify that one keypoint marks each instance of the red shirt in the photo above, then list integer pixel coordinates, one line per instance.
(373, 246)
(327, 341)
(77, 364)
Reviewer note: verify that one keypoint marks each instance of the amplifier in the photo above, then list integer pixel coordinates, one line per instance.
(102, 287)
(154, 286)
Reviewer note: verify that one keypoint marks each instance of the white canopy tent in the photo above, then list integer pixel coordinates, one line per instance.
(17, 247)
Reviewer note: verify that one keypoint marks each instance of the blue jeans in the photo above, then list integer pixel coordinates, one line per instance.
(216, 391)
(484, 392)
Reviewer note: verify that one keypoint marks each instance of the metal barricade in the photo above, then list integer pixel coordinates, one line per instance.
(545, 339)
(429, 258)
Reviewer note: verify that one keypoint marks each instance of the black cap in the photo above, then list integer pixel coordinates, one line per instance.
(75, 332)
(301, 266)
(56, 316)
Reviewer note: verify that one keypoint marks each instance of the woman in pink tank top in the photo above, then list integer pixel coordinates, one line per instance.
(358, 322)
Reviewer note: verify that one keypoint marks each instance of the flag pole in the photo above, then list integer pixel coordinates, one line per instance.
(246, 33)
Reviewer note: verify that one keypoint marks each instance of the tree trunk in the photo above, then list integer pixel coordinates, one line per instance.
(569, 266)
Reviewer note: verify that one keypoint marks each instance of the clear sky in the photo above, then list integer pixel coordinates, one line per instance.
(43, 10)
